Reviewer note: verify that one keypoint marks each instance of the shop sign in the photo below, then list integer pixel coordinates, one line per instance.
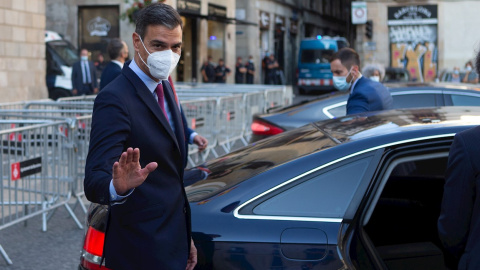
(264, 20)
(189, 6)
(413, 15)
(218, 11)
(98, 27)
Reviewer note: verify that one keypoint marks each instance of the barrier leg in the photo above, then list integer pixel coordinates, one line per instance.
(25, 223)
(79, 202)
(73, 216)
(5, 256)
(44, 217)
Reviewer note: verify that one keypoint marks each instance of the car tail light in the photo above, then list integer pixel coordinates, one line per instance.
(262, 128)
(93, 250)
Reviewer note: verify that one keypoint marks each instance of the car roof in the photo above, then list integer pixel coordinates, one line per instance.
(393, 122)
(430, 85)
(349, 134)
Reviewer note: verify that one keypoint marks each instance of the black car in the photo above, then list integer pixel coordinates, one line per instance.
(357, 192)
(411, 95)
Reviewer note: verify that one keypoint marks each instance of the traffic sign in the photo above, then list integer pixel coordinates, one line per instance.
(359, 12)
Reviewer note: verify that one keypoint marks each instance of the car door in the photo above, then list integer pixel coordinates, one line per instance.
(395, 227)
(304, 215)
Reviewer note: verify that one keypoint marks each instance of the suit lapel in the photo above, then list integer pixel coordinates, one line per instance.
(147, 97)
(175, 113)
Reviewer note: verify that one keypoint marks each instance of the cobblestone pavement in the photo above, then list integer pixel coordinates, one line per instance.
(31, 249)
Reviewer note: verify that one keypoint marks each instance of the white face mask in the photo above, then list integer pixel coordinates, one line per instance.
(375, 78)
(469, 68)
(160, 64)
(84, 58)
(340, 82)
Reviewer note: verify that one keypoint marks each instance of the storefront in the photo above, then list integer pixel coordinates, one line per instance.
(186, 68)
(97, 25)
(217, 17)
(413, 40)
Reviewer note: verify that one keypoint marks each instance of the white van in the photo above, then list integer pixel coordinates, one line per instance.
(60, 57)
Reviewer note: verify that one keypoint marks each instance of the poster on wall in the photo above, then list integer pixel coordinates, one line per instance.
(413, 40)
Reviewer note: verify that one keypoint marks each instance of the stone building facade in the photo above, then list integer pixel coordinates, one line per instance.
(425, 37)
(22, 50)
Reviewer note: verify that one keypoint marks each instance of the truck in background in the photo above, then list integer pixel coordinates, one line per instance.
(60, 56)
(314, 63)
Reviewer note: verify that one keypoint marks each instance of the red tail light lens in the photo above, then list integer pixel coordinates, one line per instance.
(262, 128)
(94, 241)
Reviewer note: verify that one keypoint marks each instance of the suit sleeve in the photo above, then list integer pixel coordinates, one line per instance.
(74, 76)
(109, 134)
(188, 131)
(458, 199)
(358, 103)
(93, 71)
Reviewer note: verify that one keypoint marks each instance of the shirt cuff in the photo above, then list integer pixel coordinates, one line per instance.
(190, 140)
(114, 197)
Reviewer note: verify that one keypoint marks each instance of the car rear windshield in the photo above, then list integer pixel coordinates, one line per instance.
(316, 56)
(66, 52)
(234, 168)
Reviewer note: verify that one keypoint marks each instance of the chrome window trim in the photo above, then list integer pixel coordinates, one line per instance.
(327, 108)
(336, 220)
(450, 92)
(415, 92)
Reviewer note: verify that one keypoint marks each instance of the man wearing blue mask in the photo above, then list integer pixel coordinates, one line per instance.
(84, 76)
(138, 152)
(365, 94)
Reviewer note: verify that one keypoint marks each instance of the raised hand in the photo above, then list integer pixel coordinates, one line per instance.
(127, 172)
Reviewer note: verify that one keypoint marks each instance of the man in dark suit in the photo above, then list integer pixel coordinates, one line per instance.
(459, 221)
(84, 76)
(118, 53)
(365, 94)
(137, 153)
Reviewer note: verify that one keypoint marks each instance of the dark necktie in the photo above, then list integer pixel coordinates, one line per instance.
(161, 98)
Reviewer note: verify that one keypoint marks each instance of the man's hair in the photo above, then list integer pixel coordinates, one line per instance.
(157, 14)
(114, 48)
(348, 57)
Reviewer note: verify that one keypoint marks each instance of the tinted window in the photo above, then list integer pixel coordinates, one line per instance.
(326, 195)
(413, 101)
(459, 100)
(232, 169)
(316, 56)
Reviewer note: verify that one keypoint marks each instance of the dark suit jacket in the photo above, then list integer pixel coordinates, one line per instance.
(152, 227)
(77, 79)
(459, 222)
(369, 96)
(110, 72)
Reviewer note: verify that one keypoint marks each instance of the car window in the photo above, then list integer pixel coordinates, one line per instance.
(460, 100)
(316, 56)
(413, 101)
(336, 110)
(326, 195)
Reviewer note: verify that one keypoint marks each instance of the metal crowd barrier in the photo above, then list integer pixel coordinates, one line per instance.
(36, 174)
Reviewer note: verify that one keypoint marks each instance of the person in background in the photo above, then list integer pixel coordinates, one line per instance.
(459, 221)
(100, 65)
(118, 52)
(208, 71)
(271, 65)
(250, 70)
(221, 72)
(240, 71)
(470, 75)
(374, 72)
(84, 76)
(365, 94)
(455, 75)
